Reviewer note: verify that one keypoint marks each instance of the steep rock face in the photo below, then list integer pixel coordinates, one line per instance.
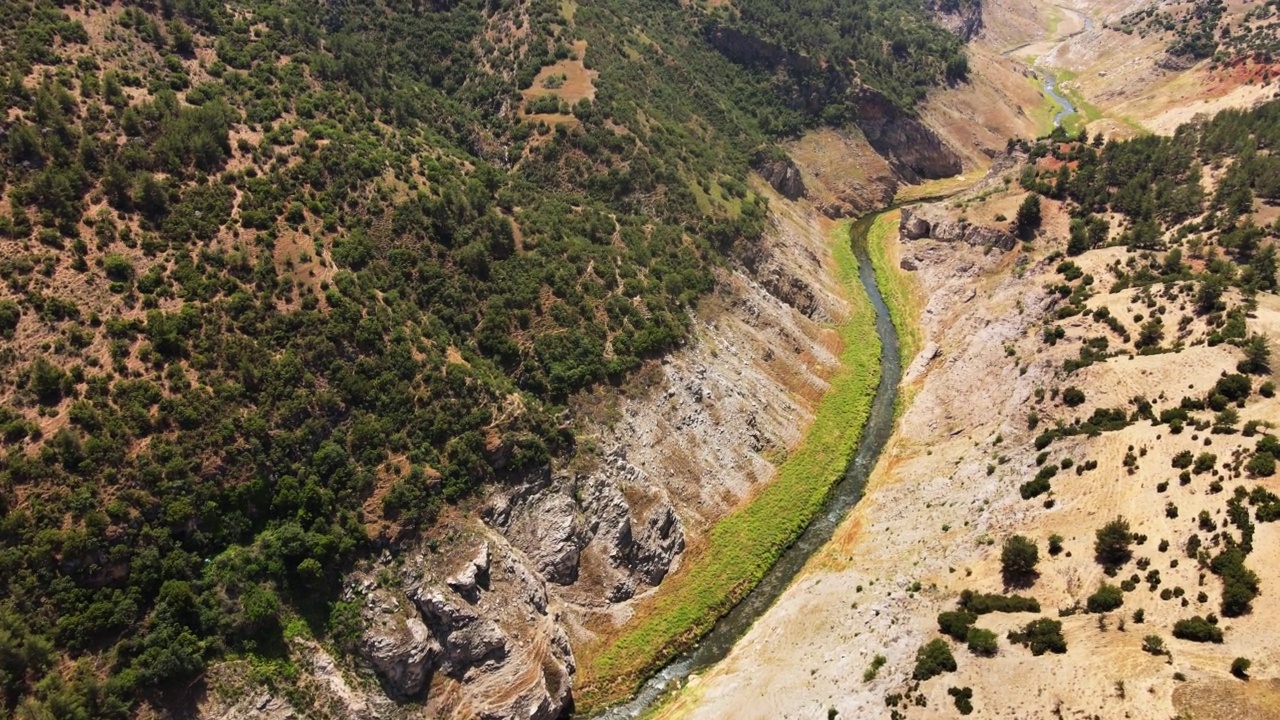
(782, 174)
(398, 643)
(476, 641)
(965, 22)
(912, 148)
(924, 222)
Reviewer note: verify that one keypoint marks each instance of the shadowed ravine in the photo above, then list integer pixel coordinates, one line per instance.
(716, 644)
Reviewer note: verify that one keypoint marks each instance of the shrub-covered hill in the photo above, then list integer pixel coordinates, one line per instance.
(284, 277)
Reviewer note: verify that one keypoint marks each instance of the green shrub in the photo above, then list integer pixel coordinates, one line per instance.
(1112, 544)
(1240, 667)
(934, 658)
(1154, 644)
(956, 623)
(983, 603)
(1018, 559)
(1105, 599)
(10, 313)
(963, 699)
(1073, 396)
(874, 668)
(1262, 464)
(1197, 629)
(981, 642)
(1041, 635)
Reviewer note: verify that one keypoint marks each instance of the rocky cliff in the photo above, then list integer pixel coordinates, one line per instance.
(913, 149)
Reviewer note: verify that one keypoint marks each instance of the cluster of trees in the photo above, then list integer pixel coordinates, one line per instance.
(891, 46)
(1154, 183)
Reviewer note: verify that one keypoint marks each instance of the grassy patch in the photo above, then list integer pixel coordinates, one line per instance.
(1086, 112)
(744, 544)
(1043, 113)
(898, 287)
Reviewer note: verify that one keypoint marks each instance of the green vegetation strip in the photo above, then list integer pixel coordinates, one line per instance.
(897, 286)
(746, 543)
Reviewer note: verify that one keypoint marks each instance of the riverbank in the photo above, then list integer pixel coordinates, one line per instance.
(745, 544)
(902, 293)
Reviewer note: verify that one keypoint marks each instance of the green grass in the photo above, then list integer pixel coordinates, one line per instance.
(899, 289)
(1086, 112)
(744, 544)
(1043, 113)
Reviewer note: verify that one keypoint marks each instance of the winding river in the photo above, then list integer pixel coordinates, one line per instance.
(1051, 89)
(716, 644)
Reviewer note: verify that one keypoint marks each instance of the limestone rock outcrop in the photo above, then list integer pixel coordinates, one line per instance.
(782, 174)
(929, 223)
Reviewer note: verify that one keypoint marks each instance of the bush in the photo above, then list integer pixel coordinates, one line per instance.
(963, 697)
(933, 659)
(1055, 544)
(1073, 397)
(118, 268)
(1240, 667)
(1105, 599)
(1197, 629)
(48, 381)
(1018, 561)
(1183, 460)
(1233, 387)
(983, 603)
(956, 623)
(10, 313)
(1112, 545)
(1262, 464)
(1154, 644)
(981, 642)
(1204, 463)
(1041, 635)
(1034, 488)
(874, 668)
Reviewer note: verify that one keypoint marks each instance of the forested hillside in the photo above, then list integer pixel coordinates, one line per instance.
(282, 279)
(1210, 29)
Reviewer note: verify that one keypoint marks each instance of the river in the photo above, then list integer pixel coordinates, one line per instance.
(1051, 89)
(716, 644)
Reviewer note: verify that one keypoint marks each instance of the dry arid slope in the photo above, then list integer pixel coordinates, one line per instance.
(999, 397)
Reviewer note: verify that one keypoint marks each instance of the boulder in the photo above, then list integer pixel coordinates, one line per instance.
(913, 227)
(949, 230)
